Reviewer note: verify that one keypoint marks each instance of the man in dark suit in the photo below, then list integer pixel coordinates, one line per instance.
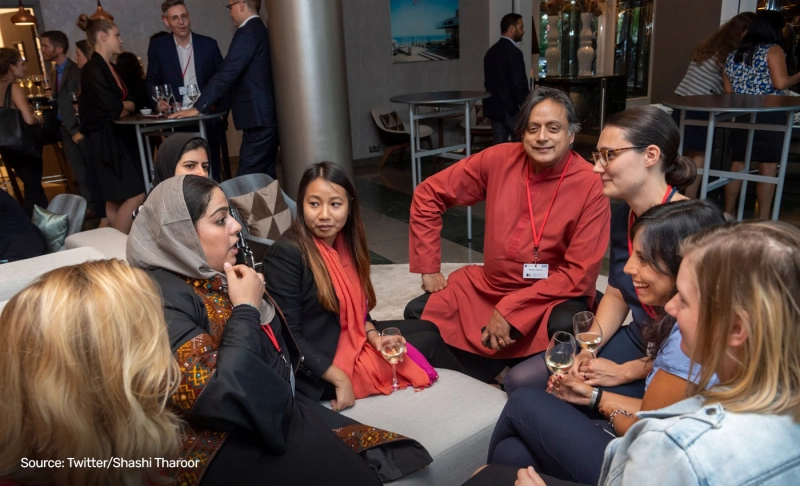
(65, 79)
(504, 77)
(247, 74)
(183, 59)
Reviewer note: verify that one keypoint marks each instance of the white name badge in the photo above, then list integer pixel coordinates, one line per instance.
(182, 91)
(535, 271)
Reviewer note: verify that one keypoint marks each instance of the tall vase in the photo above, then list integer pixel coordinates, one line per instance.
(553, 52)
(586, 51)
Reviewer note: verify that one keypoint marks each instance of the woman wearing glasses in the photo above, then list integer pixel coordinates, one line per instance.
(638, 162)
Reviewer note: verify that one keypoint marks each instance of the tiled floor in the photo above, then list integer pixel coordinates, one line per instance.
(386, 200)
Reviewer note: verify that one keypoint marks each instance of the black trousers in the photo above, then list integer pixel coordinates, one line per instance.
(258, 152)
(423, 335)
(484, 368)
(502, 129)
(29, 170)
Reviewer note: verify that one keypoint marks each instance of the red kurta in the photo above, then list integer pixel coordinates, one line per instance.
(573, 244)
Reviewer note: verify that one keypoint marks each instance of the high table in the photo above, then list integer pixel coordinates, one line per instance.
(724, 107)
(149, 124)
(437, 99)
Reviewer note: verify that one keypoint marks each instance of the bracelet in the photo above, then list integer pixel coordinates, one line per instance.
(615, 413)
(597, 402)
(593, 399)
(373, 329)
(245, 303)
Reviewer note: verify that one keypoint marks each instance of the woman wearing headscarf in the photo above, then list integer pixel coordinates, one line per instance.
(181, 154)
(238, 358)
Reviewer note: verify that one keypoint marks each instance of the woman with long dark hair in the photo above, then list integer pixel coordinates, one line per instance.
(758, 67)
(319, 273)
(703, 77)
(566, 439)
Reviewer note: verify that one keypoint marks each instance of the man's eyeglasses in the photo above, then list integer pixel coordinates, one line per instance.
(176, 18)
(230, 6)
(605, 156)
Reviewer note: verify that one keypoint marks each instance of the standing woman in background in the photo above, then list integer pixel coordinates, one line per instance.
(704, 77)
(758, 67)
(111, 148)
(27, 168)
(82, 52)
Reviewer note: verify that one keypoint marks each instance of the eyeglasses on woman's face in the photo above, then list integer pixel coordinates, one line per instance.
(604, 156)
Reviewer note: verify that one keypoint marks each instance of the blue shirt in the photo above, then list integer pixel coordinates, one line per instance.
(672, 359)
(60, 68)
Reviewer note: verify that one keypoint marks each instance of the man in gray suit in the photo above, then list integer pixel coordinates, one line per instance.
(65, 79)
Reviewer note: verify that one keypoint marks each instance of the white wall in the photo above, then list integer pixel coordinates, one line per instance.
(730, 8)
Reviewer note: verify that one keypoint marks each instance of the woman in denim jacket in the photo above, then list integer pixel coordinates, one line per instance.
(739, 315)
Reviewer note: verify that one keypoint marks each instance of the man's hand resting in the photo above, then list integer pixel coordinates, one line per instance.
(433, 282)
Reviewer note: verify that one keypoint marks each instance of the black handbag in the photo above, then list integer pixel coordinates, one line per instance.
(16, 137)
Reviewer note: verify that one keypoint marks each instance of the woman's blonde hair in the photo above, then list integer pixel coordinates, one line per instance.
(749, 273)
(92, 27)
(85, 372)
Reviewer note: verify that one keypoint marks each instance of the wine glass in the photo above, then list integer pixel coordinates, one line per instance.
(392, 348)
(167, 90)
(37, 81)
(29, 85)
(588, 332)
(560, 354)
(193, 93)
(46, 85)
(157, 94)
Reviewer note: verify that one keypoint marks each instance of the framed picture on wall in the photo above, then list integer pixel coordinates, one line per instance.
(424, 30)
(20, 46)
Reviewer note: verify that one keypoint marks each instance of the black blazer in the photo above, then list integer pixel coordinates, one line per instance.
(290, 282)
(101, 99)
(70, 83)
(163, 65)
(246, 73)
(504, 77)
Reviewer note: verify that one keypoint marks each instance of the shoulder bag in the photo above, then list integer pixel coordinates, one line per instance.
(15, 135)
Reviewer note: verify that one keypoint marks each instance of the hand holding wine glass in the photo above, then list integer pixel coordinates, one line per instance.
(588, 332)
(560, 354)
(393, 346)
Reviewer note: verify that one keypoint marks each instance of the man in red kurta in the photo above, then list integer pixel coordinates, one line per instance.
(544, 206)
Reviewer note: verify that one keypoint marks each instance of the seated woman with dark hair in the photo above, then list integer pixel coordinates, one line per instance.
(737, 311)
(238, 358)
(181, 154)
(565, 439)
(319, 273)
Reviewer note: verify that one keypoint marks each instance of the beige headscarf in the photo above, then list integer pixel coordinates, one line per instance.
(163, 236)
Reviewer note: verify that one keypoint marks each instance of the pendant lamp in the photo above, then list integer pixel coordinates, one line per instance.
(101, 14)
(23, 17)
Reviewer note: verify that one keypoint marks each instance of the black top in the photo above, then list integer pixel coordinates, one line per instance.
(19, 238)
(250, 389)
(290, 282)
(504, 77)
(101, 98)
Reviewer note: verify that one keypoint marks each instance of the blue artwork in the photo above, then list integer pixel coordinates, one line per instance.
(424, 30)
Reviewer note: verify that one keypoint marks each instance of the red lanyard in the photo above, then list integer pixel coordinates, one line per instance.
(631, 218)
(268, 329)
(537, 238)
(186, 68)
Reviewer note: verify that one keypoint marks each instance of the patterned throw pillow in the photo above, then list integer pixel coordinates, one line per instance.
(54, 227)
(264, 211)
(392, 121)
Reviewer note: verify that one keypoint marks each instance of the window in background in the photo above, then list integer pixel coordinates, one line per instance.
(634, 37)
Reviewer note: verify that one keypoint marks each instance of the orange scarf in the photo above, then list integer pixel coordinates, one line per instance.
(369, 373)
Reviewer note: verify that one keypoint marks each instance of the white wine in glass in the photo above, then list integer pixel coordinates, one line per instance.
(192, 93)
(560, 354)
(588, 332)
(392, 348)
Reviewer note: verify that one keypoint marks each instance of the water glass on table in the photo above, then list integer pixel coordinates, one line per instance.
(588, 332)
(392, 348)
(560, 354)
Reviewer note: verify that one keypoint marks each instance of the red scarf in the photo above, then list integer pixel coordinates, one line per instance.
(369, 373)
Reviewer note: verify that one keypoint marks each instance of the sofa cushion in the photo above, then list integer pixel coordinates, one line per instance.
(108, 241)
(392, 121)
(54, 227)
(453, 419)
(15, 276)
(264, 211)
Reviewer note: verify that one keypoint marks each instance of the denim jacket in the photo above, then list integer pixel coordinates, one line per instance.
(689, 443)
